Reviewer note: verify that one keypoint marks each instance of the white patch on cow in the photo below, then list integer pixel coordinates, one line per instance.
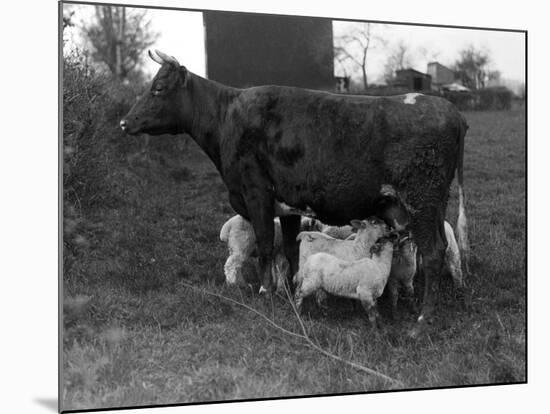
(410, 98)
(283, 209)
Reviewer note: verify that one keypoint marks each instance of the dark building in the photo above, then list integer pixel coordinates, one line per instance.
(245, 50)
(412, 80)
(441, 75)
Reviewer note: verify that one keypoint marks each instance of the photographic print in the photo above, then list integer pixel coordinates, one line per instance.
(263, 206)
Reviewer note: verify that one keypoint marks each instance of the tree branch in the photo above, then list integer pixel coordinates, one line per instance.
(304, 336)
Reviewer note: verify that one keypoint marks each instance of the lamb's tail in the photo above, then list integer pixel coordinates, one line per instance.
(462, 223)
(224, 232)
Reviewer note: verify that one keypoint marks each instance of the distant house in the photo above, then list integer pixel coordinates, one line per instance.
(412, 80)
(441, 75)
(244, 50)
(342, 84)
(455, 87)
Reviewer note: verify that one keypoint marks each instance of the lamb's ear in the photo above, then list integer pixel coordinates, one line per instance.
(356, 224)
(403, 239)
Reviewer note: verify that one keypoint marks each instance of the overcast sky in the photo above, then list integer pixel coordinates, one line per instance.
(182, 35)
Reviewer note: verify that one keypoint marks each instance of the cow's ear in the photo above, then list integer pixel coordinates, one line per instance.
(184, 73)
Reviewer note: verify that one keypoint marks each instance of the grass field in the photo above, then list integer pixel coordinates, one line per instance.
(139, 328)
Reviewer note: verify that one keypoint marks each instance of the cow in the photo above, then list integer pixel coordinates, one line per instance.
(286, 151)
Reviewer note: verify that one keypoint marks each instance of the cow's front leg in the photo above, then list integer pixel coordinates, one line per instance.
(290, 226)
(260, 205)
(261, 215)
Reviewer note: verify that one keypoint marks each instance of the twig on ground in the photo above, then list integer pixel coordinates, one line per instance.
(305, 336)
(336, 357)
(244, 305)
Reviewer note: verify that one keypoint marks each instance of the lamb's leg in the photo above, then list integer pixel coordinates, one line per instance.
(233, 269)
(306, 286)
(372, 312)
(298, 299)
(321, 299)
(369, 304)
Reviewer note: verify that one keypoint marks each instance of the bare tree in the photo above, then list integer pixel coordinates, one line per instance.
(68, 19)
(429, 54)
(119, 38)
(494, 76)
(471, 67)
(399, 58)
(356, 45)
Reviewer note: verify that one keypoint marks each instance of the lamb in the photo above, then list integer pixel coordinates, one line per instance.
(239, 235)
(403, 269)
(343, 232)
(363, 279)
(368, 231)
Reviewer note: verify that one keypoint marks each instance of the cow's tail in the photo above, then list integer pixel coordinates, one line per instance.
(224, 232)
(462, 223)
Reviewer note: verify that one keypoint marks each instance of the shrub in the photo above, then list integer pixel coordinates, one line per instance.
(497, 98)
(462, 100)
(86, 153)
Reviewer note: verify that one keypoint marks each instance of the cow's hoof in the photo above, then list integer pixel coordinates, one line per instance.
(418, 329)
(416, 332)
(265, 291)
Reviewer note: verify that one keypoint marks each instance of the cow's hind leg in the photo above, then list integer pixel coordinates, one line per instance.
(428, 231)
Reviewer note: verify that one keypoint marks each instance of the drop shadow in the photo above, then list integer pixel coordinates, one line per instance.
(49, 403)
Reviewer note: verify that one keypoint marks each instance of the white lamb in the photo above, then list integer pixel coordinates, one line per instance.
(368, 231)
(239, 235)
(363, 279)
(338, 232)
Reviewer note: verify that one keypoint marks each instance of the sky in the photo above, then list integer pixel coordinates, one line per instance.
(506, 49)
(182, 35)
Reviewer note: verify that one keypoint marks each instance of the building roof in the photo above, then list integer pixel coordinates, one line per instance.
(456, 87)
(412, 70)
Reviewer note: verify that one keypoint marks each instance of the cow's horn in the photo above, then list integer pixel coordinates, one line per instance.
(155, 58)
(166, 58)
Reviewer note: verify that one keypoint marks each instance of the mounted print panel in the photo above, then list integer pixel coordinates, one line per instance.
(267, 206)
